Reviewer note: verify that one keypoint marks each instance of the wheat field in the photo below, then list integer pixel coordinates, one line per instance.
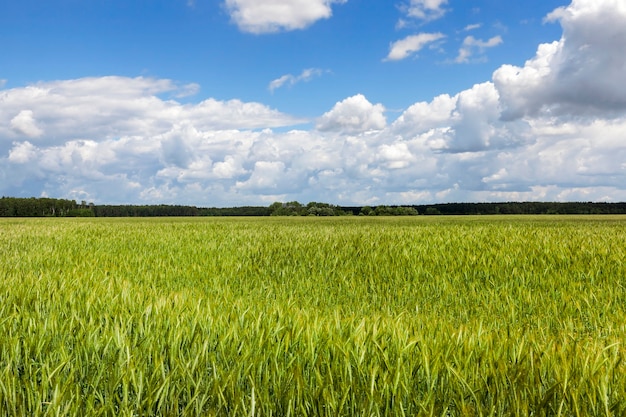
(351, 316)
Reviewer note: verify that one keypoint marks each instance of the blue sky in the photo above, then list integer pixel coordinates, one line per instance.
(231, 102)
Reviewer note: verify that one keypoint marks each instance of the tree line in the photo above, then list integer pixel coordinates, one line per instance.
(43, 207)
(53, 207)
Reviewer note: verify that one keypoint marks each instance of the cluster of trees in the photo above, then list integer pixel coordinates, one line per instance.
(43, 207)
(52, 207)
(524, 208)
(492, 208)
(294, 208)
(163, 210)
(388, 211)
(144, 211)
(236, 211)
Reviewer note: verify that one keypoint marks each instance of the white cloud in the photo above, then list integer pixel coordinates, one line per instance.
(472, 45)
(426, 9)
(289, 79)
(395, 156)
(587, 161)
(22, 153)
(187, 90)
(266, 176)
(422, 117)
(580, 75)
(3, 82)
(473, 125)
(472, 27)
(111, 107)
(410, 45)
(230, 167)
(25, 124)
(352, 115)
(466, 122)
(267, 16)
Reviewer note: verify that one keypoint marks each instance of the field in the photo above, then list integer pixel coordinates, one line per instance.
(358, 316)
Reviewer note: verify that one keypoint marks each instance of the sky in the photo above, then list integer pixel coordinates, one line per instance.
(221, 103)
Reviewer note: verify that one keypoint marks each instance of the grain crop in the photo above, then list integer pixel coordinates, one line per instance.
(352, 316)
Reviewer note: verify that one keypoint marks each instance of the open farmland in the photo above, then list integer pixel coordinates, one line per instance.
(308, 316)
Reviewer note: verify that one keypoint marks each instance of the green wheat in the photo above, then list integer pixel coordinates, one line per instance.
(454, 316)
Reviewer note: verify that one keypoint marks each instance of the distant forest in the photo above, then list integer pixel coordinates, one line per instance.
(53, 207)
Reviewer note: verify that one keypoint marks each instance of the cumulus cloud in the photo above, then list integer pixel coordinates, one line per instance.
(410, 45)
(22, 153)
(466, 122)
(24, 124)
(267, 16)
(579, 162)
(580, 75)
(395, 155)
(110, 107)
(266, 177)
(289, 79)
(424, 117)
(472, 45)
(352, 115)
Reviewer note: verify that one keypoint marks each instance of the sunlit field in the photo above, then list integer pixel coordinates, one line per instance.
(359, 316)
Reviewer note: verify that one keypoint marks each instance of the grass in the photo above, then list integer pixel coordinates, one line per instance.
(441, 316)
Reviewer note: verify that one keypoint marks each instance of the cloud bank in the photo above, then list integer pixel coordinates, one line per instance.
(552, 129)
